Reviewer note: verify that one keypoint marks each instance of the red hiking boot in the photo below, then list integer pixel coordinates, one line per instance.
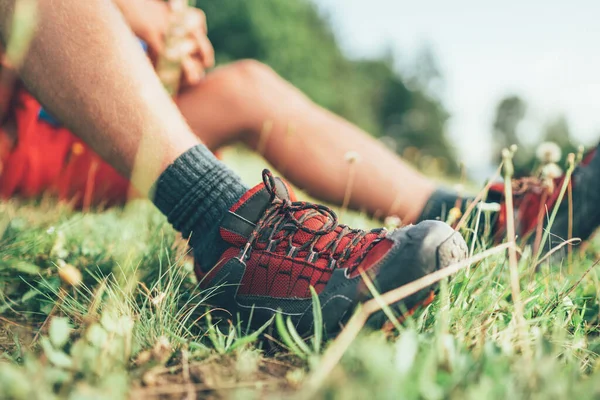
(279, 247)
(535, 201)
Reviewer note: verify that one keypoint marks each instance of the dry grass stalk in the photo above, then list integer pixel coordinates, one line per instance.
(512, 253)
(265, 133)
(569, 242)
(540, 218)
(570, 235)
(185, 363)
(352, 158)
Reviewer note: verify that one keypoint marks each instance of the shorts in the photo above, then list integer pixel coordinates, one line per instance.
(48, 158)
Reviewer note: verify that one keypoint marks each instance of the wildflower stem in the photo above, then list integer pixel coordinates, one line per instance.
(512, 251)
(570, 235)
(351, 158)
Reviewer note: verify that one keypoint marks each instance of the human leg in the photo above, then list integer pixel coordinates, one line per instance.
(87, 70)
(246, 101)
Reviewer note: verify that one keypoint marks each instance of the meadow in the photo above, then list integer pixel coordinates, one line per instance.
(104, 305)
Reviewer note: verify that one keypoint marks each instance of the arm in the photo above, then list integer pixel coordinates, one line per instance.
(86, 68)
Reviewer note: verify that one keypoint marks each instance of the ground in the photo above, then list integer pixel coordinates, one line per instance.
(137, 327)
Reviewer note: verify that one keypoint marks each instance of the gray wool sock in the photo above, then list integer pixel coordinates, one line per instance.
(195, 192)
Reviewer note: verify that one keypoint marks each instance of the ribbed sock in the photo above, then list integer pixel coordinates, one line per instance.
(195, 193)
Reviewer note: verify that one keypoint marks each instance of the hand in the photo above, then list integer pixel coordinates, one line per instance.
(197, 53)
(151, 20)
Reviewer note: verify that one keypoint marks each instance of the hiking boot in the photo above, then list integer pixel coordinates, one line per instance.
(534, 201)
(280, 247)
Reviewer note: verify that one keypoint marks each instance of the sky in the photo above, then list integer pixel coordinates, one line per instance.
(547, 52)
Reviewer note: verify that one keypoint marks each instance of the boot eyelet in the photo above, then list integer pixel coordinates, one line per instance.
(332, 263)
(313, 255)
(272, 244)
(245, 254)
(292, 251)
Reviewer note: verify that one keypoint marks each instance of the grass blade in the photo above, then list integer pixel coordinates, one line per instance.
(286, 338)
(318, 320)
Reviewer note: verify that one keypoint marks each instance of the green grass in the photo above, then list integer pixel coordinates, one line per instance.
(138, 327)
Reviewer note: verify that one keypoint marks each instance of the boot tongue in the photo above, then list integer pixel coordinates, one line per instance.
(283, 191)
(244, 214)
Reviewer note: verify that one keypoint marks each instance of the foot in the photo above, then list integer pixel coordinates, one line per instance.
(534, 202)
(279, 247)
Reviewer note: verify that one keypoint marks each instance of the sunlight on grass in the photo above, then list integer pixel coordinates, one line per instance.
(138, 326)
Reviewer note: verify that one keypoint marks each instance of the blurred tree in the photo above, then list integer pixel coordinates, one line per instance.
(421, 120)
(557, 131)
(297, 42)
(509, 114)
(426, 74)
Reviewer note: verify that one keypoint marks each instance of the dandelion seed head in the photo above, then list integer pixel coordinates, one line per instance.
(548, 152)
(392, 222)
(551, 171)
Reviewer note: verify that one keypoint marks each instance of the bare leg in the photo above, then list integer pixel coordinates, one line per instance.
(87, 69)
(247, 101)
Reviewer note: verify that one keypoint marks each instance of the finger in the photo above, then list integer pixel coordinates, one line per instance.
(192, 71)
(195, 19)
(155, 42)
(187, 47)
(206, 50)
(182, 49)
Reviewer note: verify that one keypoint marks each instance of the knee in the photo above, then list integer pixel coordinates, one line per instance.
(252, 80)
(254, 92)
(244, 80)
(266, 86)
(255, 79)
(253, 71)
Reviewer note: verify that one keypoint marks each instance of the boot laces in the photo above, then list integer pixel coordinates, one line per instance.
(290, 217)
